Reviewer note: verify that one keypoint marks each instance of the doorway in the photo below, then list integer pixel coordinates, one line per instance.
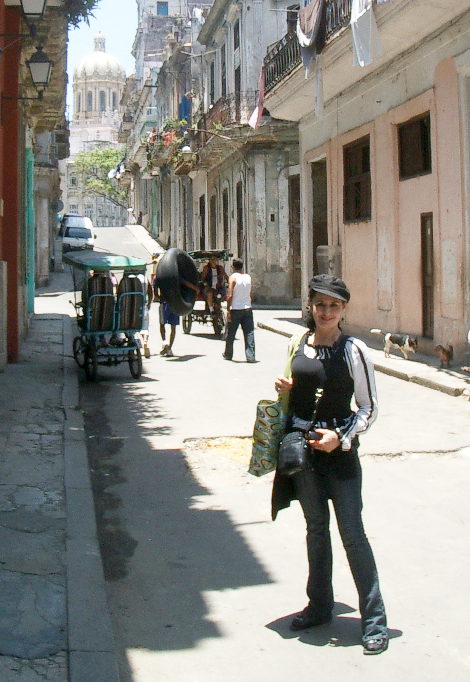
(319, 209)
(225, 219)
(294, 234)
(427, 274)
(240, 221)
(202, 218)
(213, 222)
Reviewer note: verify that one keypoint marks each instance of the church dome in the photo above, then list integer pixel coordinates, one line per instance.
(99, 64)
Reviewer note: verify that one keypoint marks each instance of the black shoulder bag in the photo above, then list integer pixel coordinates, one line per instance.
(294, 452)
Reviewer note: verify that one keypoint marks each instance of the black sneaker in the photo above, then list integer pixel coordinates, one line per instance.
(304, 620)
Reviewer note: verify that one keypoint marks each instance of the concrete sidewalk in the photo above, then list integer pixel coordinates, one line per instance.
(420, 369)
(54, 620)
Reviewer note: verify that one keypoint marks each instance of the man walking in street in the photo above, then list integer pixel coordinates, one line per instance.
(239, 312)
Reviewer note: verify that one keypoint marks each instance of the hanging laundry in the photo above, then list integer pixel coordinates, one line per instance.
(318, 87)
(365, 34)
(198, 14)
(311, 30)
(258, 110)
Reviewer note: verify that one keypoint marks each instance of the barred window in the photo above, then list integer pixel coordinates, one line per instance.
(357, 181)
(223, 71)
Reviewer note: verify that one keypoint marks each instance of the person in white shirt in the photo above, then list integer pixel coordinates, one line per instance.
(239, 312)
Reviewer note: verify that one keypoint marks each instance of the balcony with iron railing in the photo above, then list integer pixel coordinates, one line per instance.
(284, 56)
(231, 110)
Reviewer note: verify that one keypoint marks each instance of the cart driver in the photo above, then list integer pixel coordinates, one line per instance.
(214, 278)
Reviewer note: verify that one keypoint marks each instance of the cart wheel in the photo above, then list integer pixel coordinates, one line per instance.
(91, 363)
(187, 323)
(135, 362)
(218, 322)
(79, 348)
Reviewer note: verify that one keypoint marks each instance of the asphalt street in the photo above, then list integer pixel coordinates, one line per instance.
(202, 585)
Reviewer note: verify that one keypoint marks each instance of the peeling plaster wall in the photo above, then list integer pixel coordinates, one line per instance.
(270, 246)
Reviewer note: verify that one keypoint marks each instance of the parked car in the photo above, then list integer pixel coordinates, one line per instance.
(76, 232)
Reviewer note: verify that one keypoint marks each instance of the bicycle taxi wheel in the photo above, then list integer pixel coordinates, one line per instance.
(134, 358)
(79, 348)
(91, 363)
(187, 323)
(219, 323)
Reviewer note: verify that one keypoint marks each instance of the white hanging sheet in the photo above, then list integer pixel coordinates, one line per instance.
(365, 34)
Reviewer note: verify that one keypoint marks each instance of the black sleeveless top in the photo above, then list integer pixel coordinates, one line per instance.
(327, 369)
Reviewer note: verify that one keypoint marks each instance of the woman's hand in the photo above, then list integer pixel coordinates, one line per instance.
(283, 384)
(328, 442)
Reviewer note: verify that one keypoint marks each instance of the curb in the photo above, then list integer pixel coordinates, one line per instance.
(91, 646)
(453, 386)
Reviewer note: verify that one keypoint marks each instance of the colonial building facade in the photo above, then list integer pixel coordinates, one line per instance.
(33, 137)
(384, 164)
(239, 190)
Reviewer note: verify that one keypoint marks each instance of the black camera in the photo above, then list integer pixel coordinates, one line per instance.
(313, 435)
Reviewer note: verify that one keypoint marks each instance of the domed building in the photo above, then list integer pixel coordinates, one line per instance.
(98, 83)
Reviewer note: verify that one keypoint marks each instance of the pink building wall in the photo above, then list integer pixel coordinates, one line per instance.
(382, 257)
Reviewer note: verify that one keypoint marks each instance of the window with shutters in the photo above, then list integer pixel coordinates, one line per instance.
(357, 181)
(414, 147)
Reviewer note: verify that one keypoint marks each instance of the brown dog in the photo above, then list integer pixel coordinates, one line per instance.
(445, 353)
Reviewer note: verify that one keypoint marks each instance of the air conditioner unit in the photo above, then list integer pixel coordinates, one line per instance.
(329, 260)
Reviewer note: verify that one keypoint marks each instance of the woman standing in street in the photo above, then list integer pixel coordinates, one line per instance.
(340, 365)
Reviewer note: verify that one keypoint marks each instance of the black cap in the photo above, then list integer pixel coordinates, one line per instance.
(331, 286)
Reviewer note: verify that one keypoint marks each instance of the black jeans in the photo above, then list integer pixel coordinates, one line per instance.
(314, 490)
(245, 319)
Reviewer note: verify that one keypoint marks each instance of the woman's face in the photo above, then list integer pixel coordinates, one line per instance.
(327, 311)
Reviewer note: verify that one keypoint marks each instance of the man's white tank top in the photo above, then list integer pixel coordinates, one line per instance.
(241, 298)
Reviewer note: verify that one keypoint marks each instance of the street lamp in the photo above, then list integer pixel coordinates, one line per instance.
(33, 9)
(40, 67)
(187, 153)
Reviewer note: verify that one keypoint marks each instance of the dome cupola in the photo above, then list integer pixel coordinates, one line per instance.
(98, 83)
(98, 63)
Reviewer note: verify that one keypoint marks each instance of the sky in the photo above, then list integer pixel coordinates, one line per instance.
(117, 21)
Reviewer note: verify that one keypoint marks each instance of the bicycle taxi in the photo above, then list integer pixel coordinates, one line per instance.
(201, 313)
(110, 314)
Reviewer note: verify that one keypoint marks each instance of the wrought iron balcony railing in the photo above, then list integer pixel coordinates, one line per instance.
(281, 60)
(284, 56)
(231, 110)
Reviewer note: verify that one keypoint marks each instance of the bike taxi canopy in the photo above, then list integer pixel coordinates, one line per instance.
(103, 262)
(222, 254)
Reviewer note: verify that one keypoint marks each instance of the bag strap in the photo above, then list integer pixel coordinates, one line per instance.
(294, 344)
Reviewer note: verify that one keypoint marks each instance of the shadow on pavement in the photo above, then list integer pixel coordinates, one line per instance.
(172, 544)
(184, 358)
(343, 631)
